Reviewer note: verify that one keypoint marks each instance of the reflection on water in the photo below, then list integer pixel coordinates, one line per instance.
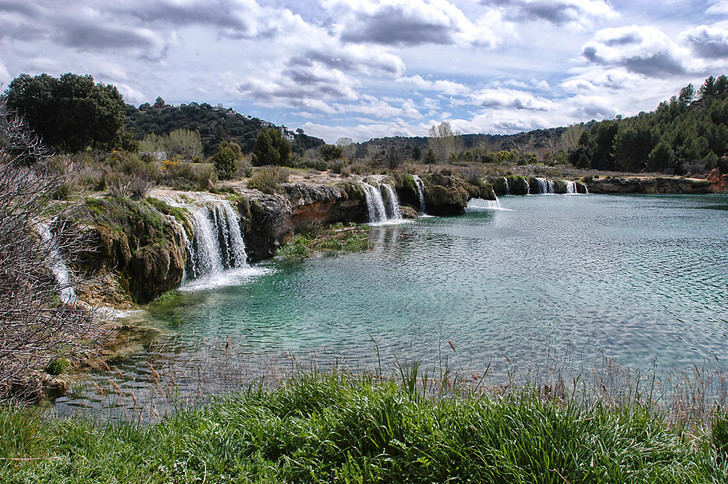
(639, 279)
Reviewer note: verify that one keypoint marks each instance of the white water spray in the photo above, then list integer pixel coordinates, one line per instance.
(508, 188)
(375, 204)
(57, 265)
(421, 192)
(393, 210)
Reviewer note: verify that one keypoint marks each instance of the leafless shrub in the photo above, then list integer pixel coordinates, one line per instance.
(35, 323)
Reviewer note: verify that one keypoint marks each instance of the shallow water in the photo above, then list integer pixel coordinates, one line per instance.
(642, 280)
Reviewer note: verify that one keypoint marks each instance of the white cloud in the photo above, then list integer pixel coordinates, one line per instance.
(718, 8)
(444, 86)
(642, 49)
(708, 42)
(580, 13)
(414, 22)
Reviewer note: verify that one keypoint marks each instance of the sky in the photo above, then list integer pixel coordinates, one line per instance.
(372, 68)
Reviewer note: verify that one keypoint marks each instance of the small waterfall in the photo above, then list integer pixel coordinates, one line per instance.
(570, 187)
(550, 187)
(528, 187)
(218, 243)
(57, 265)
(421, 192)
(542, 185)
(375, 204)
(393, 210)
(508, 189)
(206, 244)
(494, 204)
(586, 189)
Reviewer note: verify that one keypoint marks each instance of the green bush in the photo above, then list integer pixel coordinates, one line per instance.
(268, 179)
(57, 366)
(225, 163)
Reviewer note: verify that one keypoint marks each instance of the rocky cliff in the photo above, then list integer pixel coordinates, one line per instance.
(648, 185)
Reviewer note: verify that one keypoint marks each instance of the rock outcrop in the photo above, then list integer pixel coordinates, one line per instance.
(648, 185)
(133, 241)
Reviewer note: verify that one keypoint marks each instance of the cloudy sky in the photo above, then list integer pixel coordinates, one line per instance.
(370, 68)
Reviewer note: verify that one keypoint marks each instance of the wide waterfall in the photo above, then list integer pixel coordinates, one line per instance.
(571, 187)
(217, 244)
(421, 192)
(550, 187)
(542, 185)
(57, 264)
(375, 203)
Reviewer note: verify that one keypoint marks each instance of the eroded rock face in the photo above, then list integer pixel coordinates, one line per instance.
(135, 245)
(626, 185)
(268, 224)
(326, 204)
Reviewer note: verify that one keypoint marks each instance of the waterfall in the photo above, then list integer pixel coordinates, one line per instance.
(550, 187)
(393, 210)
(508, 189)
(56, 263)
(528, 187)
(375, 204)
(217, 244)
(586, 189)
(542, 185)
(570, 187)
(494, 204)
(421, 192)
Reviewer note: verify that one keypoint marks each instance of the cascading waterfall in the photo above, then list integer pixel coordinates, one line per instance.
(375, 204)
(393, 210)
(550, 187)
(570, 187)
(421, 192)
(542, 185)
(218, 243)
(528, 187)
(57, 265)
(508, 189)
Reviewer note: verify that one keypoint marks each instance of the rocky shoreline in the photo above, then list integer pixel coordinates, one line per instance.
(137, 248)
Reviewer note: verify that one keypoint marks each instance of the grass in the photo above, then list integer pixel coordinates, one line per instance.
(335, 239)
(341, 428)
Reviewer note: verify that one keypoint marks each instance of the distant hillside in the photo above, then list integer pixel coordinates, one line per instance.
(215, 124)
(687, 134)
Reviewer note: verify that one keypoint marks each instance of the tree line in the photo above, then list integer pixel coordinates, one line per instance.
(687, 134)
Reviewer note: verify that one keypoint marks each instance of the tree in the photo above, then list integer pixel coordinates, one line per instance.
(271, 148)
(35, 322)
(416, 153)
(444, 141)
(225, 162)
(331, 152)
(430, 157)
(71, 112)
(661, 157)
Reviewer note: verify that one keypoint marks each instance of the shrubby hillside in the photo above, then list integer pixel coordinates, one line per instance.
(215, 124)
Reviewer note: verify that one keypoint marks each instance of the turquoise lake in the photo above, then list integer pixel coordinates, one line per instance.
(549, 279)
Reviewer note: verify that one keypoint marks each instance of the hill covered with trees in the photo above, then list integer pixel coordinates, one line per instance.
(215, 124)
(687, 134)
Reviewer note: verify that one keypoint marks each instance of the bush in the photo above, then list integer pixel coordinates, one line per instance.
(268, 179)
(225, 163)
(57, 366)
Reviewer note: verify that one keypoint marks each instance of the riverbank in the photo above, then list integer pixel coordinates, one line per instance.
(340, 428)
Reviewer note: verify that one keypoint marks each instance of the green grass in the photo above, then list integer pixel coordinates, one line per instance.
(337, 428)
(335, 239)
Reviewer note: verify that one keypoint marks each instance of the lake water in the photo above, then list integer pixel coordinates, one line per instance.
(551, 279)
